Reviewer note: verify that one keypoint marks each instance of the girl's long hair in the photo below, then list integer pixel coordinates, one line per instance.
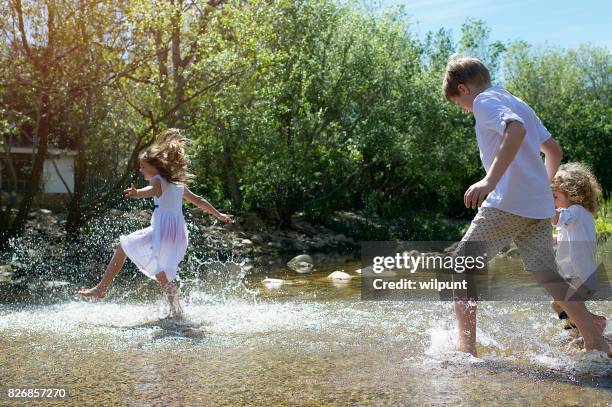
(577, 181)
(167, 154)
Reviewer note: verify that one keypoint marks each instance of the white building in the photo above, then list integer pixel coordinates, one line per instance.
(58, 170)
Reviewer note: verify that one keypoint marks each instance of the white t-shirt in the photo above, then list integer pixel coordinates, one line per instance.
(524, 189)
(577, 244)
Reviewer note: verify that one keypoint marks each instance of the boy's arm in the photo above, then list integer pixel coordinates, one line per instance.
(205, 205)
(553, 155)
(509, 146)
(147, 192)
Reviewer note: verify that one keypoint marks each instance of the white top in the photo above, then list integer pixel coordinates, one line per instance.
(161, 246)
(577, 240)
(171, 199)
(524, 189)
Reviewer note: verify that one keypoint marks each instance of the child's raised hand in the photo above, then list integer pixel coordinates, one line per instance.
(131, 192)
(225, 218)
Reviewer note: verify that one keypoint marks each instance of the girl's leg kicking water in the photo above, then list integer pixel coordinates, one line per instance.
(113, 268)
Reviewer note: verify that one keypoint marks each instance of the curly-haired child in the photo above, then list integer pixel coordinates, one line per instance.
(575, 192)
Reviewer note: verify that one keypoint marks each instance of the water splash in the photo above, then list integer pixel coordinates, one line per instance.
(311, 327)
(49, 267)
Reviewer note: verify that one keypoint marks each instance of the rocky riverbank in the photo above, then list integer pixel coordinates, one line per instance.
(248, 238)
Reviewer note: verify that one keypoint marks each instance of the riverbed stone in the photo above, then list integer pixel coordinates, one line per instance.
(302, 263)
(339, 275)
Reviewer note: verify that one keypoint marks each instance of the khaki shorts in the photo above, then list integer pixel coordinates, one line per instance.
(493, 229)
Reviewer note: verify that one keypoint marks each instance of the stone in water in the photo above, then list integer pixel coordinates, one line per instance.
(340, 275)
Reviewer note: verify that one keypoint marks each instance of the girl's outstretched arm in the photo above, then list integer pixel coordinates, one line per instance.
(147, 192)
(205, 205)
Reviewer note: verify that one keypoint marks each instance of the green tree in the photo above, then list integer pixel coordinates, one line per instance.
(570, 90)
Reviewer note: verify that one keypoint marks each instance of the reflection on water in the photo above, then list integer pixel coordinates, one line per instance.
(309, 341)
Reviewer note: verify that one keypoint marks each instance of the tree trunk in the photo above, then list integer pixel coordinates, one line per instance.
(228, 163)
(75, 219)
(42, 137)
(8, 142)
(40, 63)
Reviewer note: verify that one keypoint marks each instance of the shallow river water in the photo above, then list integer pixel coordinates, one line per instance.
(309, 342)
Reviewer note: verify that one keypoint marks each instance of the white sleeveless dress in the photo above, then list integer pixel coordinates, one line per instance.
(161, 246)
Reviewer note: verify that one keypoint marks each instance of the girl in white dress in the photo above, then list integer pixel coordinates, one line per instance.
(575, 191)
(158, 249)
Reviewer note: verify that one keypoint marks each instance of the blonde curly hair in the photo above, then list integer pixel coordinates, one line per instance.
(577, 181)
(167, 154)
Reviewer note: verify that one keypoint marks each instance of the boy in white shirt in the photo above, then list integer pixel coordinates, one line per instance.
(514, 199)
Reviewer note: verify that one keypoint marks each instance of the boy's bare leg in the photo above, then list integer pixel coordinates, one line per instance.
(171, 294)
(576, 310)
(593, 339)
(113, 268)
(482, 237)
(466, 326)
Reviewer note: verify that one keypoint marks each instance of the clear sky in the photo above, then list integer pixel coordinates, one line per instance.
(563, 23)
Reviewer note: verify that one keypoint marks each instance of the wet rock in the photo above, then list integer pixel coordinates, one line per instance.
(301, 264)
(272, 283)
(340, 275)
(303, 267)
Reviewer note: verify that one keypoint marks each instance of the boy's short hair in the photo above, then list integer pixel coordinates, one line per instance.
(464, 70)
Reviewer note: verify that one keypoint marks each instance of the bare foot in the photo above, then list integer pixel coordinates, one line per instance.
(601, 345)
(467, 348)
(95, 292)
(173, 301)
(471, 351)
